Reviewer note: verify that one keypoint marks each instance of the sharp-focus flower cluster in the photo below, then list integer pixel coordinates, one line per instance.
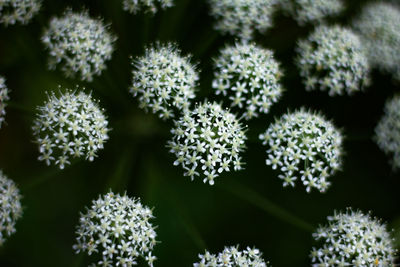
(80, 44)
(388, 130)
(117, 228)
(353, 239)
(10, 207)
(378, 24)
(71, 125)
(231, 256)
(207, 140)
(242, 17)
(22, 11)
(333, 59)
(3, 99)
(306, 146)
(134, 6)
(309, 11)
(164, 81)
(252, 74)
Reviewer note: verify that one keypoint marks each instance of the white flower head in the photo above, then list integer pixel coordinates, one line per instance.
(352, 239)
(134, 6)
(79, 44)
(333, 59)
(3, 99)
(163, 80)
(69, 126)
(250, 76)
(207, 141)
(18, 11)
(303, 145)
(10, 207)
(242, 17)
(387, 132)
(378, 25)
(118, 230)
(311, 11)
(232, 256)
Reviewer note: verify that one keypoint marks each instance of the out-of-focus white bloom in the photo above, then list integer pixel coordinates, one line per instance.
(387, 132)
(71, 125)
(207, 141)
(164, 81)
(10, 207)
(378, 25)
(242, 17)
(80, 44)
(22, 11)
(118, 230)
(333, 59)
(353, 239)
(134, 6)
(306, 146)
(232, 256)
(249, 75)
(311, 11)
(3, 99)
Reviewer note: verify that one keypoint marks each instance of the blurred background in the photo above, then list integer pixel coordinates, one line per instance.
(250, 207)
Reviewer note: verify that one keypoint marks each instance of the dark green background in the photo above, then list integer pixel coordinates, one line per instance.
(249, 207)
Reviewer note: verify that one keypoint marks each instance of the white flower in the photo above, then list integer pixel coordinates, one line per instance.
(22, 11)
(231, 256)
(71, 125)
(133, 6)
(207, 141)
(118, 230)
(163, 80)
(3, 99)
(80, 44)
(310, 11)
(353, 239)
(242, 17)
(332, 58)
(387, 132)
(378, 25)
(10, 207)
(250, 76)
(304, 146)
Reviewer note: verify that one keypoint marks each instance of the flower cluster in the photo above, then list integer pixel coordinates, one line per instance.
(387, 132)
(71, 125)
(252, 74)
(163, 80)
(133, 6)
(378, 25)
(117, 228)
(352, 239)
(208, 139)
(3, 99)
(309, 11)
(333, 59)
(22, 11)
(241, 17)
(80, 44)
(10, 207)
(231, 256)
(305, 145)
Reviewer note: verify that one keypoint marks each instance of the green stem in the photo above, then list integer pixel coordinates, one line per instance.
(176, 204)
(263, 203)
(45, 176)
(184, 219)
(21, 108)
(204, 46)
(78, 260)
(119, 177)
